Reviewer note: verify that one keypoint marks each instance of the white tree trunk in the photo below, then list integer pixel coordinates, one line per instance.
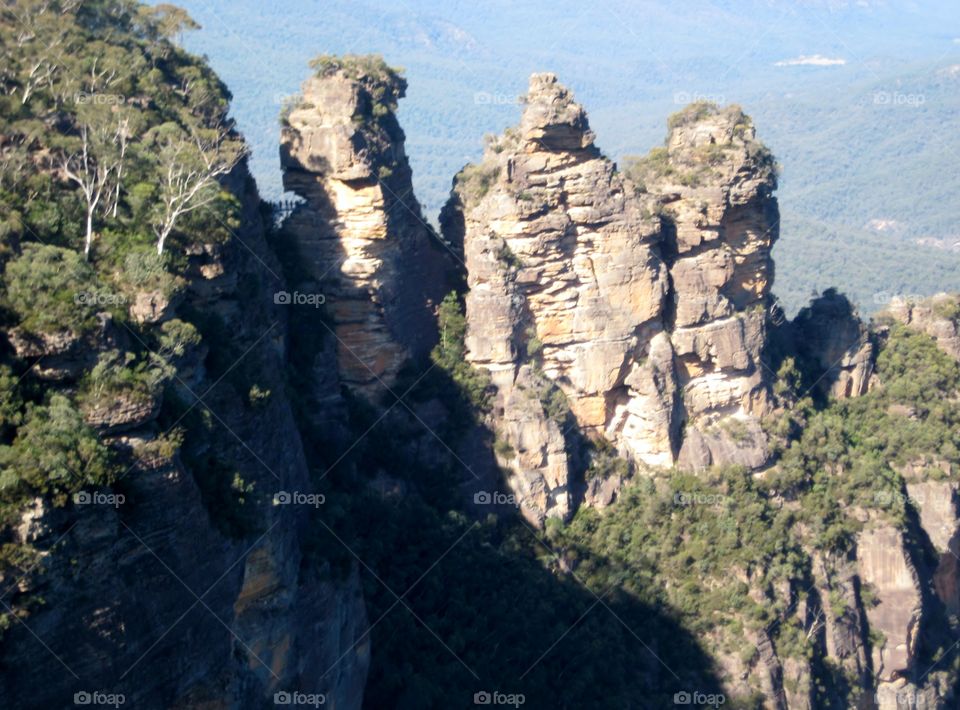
(89, 239)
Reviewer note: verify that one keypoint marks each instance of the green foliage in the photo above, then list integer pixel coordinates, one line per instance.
(47, 288)
(696, 111)
(474, 181)
(177, 338)
(948, 308)
(450, 353)
(849, 453)
(145, 270)
(605, 463)
(355, 66)
(119, 375)
(506, 257)
(503, 449)
(55, 453)
(692, 543)
(11, 401)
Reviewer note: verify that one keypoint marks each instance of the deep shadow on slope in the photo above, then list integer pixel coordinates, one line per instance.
(461, 601)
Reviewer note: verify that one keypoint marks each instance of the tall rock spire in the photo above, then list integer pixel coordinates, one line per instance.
(360, 232)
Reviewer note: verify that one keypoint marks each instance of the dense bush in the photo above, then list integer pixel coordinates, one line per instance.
(49, 289)
(55, 453)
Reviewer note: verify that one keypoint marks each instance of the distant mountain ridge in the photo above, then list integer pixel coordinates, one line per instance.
(846, 159)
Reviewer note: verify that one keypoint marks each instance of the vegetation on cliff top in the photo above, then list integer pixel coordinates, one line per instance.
(114, 144)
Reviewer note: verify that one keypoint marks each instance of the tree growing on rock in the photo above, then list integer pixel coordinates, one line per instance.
(95, 161)
(190, 168)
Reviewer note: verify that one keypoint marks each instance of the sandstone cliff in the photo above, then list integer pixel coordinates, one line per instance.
(643, 301)
(360, 230)
(937, 316)
(160, 597)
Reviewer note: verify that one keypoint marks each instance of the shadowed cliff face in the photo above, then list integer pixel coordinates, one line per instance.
(642, 298)
(172, 597)
(360, 230)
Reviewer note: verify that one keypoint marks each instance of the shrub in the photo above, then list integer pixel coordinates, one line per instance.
(450, 353)
(475, 181)
(47, 287)
(119, 375)
(55, 453)
(177, 338)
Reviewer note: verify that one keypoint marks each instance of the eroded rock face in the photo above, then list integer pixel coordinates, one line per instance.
(936, 502)
(565, 278)
(715, 183)
(937, 316)
(360, 231)
(836, 344)
(883, 563)
(643, 300)
(150, 597)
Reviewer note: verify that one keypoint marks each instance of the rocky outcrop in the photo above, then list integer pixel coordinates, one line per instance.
(714, 183)
(937, 316)
(939, 517)
(885, 567)
(642, 298)
(360, 233)
(565, 278)
(835, 345)
(148, 589)
(61, 356)
(122, 412)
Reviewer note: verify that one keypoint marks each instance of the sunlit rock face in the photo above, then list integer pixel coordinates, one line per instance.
(641, 298)
(360, 232)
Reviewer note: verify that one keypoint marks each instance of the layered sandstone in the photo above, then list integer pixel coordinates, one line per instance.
(641, 297)
(565, 284)
(714, 182)
(937, 316)
(360, 231)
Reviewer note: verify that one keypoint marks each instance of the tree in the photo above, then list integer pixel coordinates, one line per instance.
(34, 36)
(55, 452)
(46, 287)
(189, 170)
(96, 164)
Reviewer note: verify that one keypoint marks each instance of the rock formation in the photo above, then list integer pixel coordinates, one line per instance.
(360, 231)
(151, 598)
(835, 345)
(937, 316)
(715, 181)
(643, 301)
